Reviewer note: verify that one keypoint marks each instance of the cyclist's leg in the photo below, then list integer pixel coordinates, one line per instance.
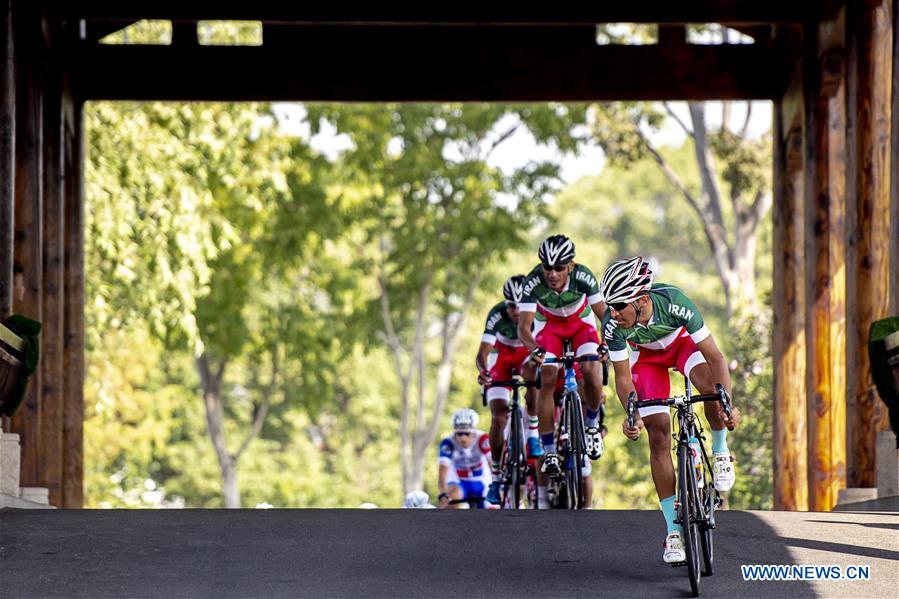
(474, 487)
(585, 341)
(650, 373)
(692, 363)
(498, 400)
(548, 339)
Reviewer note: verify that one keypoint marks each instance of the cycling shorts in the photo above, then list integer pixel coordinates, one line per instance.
(581, 331)
(649, 369)
(508, 358)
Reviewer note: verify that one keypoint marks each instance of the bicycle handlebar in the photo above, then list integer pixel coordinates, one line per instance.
(518, 382)
(679, 400)
(565, 360)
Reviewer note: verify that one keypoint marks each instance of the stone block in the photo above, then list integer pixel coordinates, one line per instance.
(887, 464)
(10, 455)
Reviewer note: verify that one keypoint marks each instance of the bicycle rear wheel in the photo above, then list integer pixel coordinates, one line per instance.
(686, 487)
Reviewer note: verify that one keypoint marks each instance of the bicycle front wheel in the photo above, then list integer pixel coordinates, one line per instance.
(686, 501)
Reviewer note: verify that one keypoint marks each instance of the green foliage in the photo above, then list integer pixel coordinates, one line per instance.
(209, 230)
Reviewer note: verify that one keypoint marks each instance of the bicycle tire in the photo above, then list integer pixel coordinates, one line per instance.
(685, 474)
(707, 528)
(580, 448)
(576, 455)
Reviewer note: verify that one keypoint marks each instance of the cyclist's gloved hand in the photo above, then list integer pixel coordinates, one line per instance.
(484, 377)
(632, 432)
(604, 353)
(734, 420)
(536, 356)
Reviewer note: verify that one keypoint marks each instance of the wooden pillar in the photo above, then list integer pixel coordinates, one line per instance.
(894, 169)
(51, 448)
(790, 450)
(869, 36)
(7, 155)
(73, 339)
(28, 216)
(825, 260)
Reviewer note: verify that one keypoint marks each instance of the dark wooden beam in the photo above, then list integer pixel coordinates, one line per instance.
(73, 338)
(647, 11)
(53, 298)
(458, 73)
(7, 155)
(869, 35)
(28, 244)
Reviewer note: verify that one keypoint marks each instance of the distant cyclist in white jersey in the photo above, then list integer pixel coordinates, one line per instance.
(463, 462)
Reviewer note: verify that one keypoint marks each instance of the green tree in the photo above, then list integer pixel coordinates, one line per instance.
(427, 221)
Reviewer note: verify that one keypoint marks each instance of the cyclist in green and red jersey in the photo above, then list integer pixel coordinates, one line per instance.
(663, 329)
(501, 332)
(560, 298)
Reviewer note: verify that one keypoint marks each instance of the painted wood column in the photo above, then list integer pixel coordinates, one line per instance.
(869, 37)
(826, 263)
(790, 448)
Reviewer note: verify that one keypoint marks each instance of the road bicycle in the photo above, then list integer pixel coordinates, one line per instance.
(697, 499)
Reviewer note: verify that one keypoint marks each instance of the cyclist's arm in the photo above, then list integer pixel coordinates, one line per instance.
(481, 359)
(525, 322)
(442, 473)
(715, 359)
(599, 308)
(624, 382)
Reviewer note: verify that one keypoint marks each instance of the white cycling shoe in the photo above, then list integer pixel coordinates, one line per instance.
(594, 442)
(674, 549)
(723, 473)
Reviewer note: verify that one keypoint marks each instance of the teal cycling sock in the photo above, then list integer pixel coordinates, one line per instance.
(719, 441)
(668, 511)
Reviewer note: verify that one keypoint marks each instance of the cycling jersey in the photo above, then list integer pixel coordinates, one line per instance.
(672, 314)
(500, 328)
(471, 462)
(574, 301)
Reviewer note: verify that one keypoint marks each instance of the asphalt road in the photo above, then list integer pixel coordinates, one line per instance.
(423, 553)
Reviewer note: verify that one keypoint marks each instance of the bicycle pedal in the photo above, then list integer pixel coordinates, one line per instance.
(678, 564)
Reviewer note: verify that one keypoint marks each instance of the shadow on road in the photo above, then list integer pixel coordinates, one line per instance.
(370, 553)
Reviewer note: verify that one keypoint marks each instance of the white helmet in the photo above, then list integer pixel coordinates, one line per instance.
(513, 289)
(626, 280)
(556, 250)
(465, 419)
(417, 500)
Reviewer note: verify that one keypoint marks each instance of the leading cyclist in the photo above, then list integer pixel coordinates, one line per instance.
(663, 329)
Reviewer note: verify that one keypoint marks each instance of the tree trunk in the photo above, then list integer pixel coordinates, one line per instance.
(211, 381)
(230, 488)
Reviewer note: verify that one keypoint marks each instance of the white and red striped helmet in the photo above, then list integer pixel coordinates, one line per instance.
(626, 280)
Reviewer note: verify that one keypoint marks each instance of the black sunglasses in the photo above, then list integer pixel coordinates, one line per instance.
(463, 434)
(557, 267)
(619, 306)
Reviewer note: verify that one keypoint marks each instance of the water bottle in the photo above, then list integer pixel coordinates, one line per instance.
(697, 462)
